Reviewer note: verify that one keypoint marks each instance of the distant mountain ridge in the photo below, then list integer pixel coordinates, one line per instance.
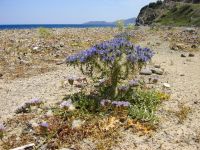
(126, 22)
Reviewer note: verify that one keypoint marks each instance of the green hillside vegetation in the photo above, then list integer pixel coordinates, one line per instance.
(181, 15)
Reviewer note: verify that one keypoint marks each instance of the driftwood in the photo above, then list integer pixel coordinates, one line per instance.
(25, 147)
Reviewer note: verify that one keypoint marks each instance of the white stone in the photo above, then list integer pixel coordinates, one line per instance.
(35, 48)
(167, 85)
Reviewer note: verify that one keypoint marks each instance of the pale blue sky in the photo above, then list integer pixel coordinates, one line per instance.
(67, 11)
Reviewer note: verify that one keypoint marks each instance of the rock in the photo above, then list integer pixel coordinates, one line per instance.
(157, 71)
(1, 75)
(157, 66)
(153, 80)
(166, 85)
(62, 44)
(190, 30)
(178, 46)
(194, 46)
(77, 124)
(25, 147)
(146, 71)
(24, 108)
(183, 55)
(191, 55)
(35, 48)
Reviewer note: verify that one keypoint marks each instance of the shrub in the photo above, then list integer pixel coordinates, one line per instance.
(120, 25)
(44, 33)
(111, 62)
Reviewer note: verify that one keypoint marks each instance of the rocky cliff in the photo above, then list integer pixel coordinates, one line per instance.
(171, 12)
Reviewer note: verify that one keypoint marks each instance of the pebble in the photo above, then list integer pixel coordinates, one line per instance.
(183, 55)
(191, 55)
(146, 71)
(157, 71)
(167, 85)
(157, 66)
(35, 48)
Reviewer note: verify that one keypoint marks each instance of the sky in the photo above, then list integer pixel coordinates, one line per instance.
(67, 11)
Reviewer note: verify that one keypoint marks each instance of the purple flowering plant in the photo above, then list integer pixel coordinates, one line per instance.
(114, 60)
(44, 126)
(2, 129)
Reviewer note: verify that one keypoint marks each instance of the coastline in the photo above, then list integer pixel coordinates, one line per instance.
(53, 26)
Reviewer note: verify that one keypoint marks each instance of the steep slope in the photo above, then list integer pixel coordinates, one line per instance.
(169, 12)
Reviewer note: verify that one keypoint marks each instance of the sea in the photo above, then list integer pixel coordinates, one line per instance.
(33, 26)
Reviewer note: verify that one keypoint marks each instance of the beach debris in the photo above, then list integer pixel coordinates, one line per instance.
(25, 147)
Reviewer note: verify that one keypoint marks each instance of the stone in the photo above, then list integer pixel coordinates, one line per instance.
(190, 30)
(191, 55)
(166, 85)
(24, 108)
(62, 44)
(146, 71)
(157, 66)
(183, 55)
(35, 48)
(194, 46)
(157, 71)
(153, 80)
(1, 75)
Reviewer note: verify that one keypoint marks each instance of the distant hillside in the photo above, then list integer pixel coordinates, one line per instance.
(171, 12)
(126, 22)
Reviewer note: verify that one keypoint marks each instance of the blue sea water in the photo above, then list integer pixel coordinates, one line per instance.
(32, 26)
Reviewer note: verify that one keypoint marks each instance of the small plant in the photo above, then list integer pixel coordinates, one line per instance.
(44, 33)
(2, 129)
(130, 27)
(120, 25)
(44, 128)
(183, 112)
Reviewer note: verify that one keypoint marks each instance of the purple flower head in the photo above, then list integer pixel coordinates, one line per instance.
(44, 124)
(66, 104)
(105, 102)
(143, 54)
(123, 88)
(108, 51)
(102, 81)
(2, 127)
(132, 58)
(34, 101)
(73, 58)
(134, 83)
(121, 103)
